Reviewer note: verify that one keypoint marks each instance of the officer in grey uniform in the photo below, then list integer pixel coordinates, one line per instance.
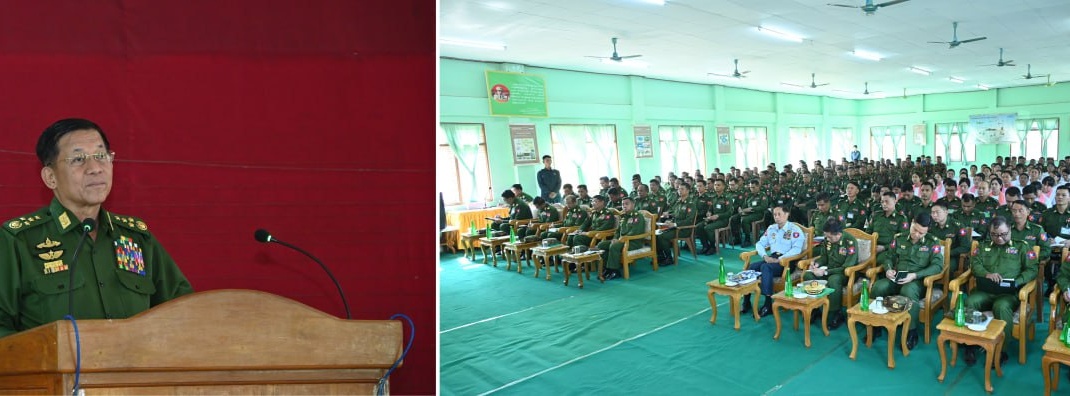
(781, 239)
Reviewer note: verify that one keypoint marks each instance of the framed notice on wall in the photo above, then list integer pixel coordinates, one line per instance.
(919, 134)
(723, 146)
(525, 151)
(516, 94)
(644, 145)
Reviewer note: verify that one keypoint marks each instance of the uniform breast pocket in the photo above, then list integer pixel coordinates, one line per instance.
(57, 284)
(136, 291)
(50, 294)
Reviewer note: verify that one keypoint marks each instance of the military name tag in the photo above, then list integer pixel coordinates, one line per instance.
(1012, 250)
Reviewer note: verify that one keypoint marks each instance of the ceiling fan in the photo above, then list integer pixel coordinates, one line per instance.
(867, 91)
(955, 38)
(813, 83)
(1029, 73)
(869, 8)
(735, 74)
(1002, 62)
(1051, 83)
(615, 57)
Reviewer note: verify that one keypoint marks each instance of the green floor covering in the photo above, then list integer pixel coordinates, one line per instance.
(509, 333)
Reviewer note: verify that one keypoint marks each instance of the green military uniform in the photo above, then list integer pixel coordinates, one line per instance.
(1033, 235)
(851, 213)
(959, 235)
(886, 227)
(548, 214)
(837, 257)
(575, 217)
(1056, 223)
(924, 258)
(120, 272)
(526, 198)
(740, 223)
(975, 220)
(1036, 212)
(818, 220)
(518, 210)
(600, 220)
(684, 214)
(648, 203)
(723, 208)
(1003, 210)
(581, 201)
(908, 207)
(988, 206)
(1014, 260)
(921, 207)
(631, 223)
(951, 202)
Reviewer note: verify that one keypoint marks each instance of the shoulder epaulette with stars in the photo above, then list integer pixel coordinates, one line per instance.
(25, 222)
(129, 222)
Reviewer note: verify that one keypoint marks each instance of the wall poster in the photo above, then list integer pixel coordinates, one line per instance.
(525, 151)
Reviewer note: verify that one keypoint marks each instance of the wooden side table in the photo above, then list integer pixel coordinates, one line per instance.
(546, 254)
(889, 321)
(1055, 353)
(804, 306)
(735, 295)
(469, 242)
(493, 244)
(583, 262)
(516, 249)
(991, 340)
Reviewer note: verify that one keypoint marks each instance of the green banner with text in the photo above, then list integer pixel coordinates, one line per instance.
(516, 94)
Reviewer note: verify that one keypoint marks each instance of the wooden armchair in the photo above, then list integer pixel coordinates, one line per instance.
(630, 256)
(689, 240)
(935, 293)
(1058, 305)
(964, 259)
(1025, 325)
(808, 248)
(867, 258)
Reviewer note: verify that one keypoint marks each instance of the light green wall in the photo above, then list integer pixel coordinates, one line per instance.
(625, 101)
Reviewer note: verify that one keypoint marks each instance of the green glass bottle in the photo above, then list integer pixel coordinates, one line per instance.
(722, 277)
(864, 300)
(473, 228)
(788, 289)
(512, 235)
(960, 310)
(489, 233)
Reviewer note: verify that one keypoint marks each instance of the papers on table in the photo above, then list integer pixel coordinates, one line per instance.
(1059, 241)
(976, 235)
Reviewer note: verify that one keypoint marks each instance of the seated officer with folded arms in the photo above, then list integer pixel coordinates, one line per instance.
(576, 217)
(120, 271)
(945, 227)
(1001, 265)
(886, 224)
(716, 217)
(631, 223)
(546, 214)
(683, 213)
(518, 210)
(911, 258)
(837, 252)
(601, 219)
(782, 239)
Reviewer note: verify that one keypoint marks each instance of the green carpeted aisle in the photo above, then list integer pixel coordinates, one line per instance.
(509, 333)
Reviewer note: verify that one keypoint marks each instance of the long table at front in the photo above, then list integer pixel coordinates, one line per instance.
(462, 219)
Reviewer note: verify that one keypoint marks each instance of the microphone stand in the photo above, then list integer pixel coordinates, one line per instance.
(329, 273)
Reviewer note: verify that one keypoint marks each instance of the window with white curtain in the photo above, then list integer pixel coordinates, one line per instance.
(1038, 138)
(682, 149)
(954, 144)
(802, 145)
(888, 142)
(583, 153)
(842, 142)
(463, 173)
(752, 146)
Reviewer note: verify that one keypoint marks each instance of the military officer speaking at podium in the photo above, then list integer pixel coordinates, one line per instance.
(121, 269)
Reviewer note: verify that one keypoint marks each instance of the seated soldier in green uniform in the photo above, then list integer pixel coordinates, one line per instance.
(1001, 266)
(120, 255)
(601, 219)
(1024, 230)
(582, 198)
(823, 212)
(575, 217)
(971, 217)
(911, 258)
(754, 207)
(886, 224)
(682, 213)
(631, 223)
(716, 217)
(951, 200)
(518, 210)
(945, 227)
(852, 210)
(546, 214)
(518, 190)
(838, 251)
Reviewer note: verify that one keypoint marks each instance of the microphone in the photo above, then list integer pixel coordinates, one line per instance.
(264, 236)
(88, 225)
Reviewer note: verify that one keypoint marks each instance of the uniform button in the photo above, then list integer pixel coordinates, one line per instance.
(107, 316)
(101, 284)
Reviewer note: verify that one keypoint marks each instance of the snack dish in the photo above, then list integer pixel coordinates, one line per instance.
(877, 307)
(744, 277)
(813, 287)
(897, 303)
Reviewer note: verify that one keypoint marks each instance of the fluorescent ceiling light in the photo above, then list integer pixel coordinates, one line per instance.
(921, 71)
(472, 44)
(983, 87)
(956, 80)
(873, 56)
(655, 2)
(626, 62)
(780, 35)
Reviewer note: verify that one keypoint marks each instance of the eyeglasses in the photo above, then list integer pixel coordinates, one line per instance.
(79, 160)
(1004, 235)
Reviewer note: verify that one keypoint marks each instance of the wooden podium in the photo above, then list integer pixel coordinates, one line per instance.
(214, 342)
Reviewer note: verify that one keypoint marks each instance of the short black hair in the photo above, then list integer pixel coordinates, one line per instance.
(998, 221)
(822, 197)
(538, 201)
(546, 157)
(508, 194)
(1030, 189)
(518, 187)
(1013, 191)
(833, 226)
(48, 142)
(923, 219)
(583, 186)
(967, 197)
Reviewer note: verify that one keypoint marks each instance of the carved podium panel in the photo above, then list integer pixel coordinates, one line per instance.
(214, 342)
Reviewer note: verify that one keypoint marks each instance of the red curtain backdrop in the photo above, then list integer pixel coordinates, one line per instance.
(309, 118)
